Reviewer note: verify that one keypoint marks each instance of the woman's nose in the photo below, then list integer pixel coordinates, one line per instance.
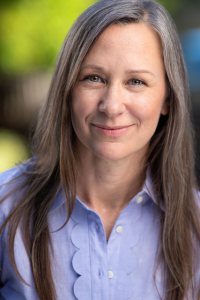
(112, 102)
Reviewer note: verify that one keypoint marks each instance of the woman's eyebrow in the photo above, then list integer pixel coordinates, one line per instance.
(92, 67)
(140, 71)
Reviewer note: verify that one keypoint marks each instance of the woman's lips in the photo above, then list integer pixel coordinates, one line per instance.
(112, 131)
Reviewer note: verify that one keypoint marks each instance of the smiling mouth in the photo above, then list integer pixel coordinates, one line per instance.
(111, 131)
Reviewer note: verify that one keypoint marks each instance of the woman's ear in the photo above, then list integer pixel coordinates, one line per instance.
(165, 107)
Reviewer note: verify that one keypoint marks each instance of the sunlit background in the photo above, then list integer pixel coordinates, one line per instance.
(31, 34)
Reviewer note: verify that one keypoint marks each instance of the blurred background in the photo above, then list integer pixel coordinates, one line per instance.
(31, 34)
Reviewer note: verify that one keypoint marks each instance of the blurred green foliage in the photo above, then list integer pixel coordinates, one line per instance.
(172, 6)
(13, 149)
(32, 31)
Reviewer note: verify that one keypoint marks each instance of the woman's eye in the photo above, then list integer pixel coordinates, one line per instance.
(135, 82)
(94, 78)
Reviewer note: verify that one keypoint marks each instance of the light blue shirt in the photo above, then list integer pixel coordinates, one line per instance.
(85, 266)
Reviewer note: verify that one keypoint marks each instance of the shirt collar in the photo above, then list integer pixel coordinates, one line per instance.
(148, 189)
(147, 193)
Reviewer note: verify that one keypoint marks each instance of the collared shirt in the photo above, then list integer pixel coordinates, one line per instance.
(85, 265)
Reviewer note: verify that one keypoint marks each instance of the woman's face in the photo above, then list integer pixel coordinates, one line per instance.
(120, 93)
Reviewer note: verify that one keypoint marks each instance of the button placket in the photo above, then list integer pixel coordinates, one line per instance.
(98, 257)
(121, 242)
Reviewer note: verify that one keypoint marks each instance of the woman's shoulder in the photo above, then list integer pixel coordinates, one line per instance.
(9, 175)
(10, 182)
(7, 178)
(12, 177)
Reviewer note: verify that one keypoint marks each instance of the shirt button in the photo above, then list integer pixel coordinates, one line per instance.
(119, 229)
(139, 200)
(110, 274)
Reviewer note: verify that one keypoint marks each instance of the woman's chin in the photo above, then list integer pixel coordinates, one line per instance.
(113, 152)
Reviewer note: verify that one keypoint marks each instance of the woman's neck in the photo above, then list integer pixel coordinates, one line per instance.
(109, 185)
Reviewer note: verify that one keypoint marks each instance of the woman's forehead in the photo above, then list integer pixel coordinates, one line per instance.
(132, 45)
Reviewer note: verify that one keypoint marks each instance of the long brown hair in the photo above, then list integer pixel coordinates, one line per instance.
(171, 157)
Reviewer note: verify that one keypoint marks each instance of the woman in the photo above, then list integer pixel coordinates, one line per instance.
(107, 208)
